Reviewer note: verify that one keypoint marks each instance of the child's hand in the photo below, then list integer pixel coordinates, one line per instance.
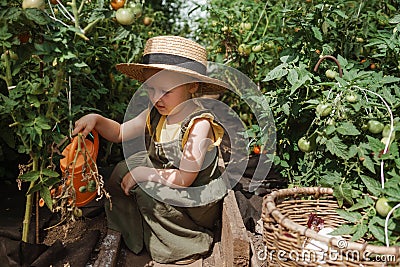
(127, 183)
(85, 124)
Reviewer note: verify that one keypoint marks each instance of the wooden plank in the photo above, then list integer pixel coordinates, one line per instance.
(198, 263)
(235, 243)
(215, 258)
(109, 249)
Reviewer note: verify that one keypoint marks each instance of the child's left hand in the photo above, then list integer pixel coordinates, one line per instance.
(127, 183)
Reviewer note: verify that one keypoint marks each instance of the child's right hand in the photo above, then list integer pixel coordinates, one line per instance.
(85, 124)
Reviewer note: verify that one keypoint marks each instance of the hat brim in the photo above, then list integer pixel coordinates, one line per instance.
(136, 71)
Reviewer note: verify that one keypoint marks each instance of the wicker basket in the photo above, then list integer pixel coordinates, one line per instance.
(285, 215)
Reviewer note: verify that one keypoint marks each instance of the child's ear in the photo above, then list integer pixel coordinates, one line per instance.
(193, 88)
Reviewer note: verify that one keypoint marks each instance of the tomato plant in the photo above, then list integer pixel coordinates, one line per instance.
(51, 58)
(333, 110)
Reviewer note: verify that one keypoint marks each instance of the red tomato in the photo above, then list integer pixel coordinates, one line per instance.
(117, 4)
(256, 150)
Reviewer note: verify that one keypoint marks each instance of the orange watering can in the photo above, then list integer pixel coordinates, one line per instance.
(79, 159)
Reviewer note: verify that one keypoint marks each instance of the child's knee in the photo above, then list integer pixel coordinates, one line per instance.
(113, 184)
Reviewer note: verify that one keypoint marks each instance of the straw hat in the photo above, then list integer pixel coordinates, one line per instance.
(177, 54)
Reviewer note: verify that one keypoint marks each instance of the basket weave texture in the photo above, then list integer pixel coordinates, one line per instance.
(285, 214)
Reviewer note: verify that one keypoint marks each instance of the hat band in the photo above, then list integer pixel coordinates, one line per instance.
(168, 59)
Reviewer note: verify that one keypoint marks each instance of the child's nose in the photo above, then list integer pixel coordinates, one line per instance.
(158, 94)
(155, 96)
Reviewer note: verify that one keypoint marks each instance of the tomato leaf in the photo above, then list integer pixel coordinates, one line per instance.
(373, 186)
(330, 179)
(362, 203)
(342, 61)
(34, 188)
(343, 192)
(293, 76)
(375, 144)
(336, 147)
(347, 128)
(344, 229)
(341, 13)
(361, 230)
(36, 15)
(377, 232)
(50, 173)
(317, 33)
(30, 176)
(41, 122)
(369, 164)
(352, 151)
(45, 194)
(51, 181)
(330, 129)
(352, 217)
(277, 73)
(393, 193)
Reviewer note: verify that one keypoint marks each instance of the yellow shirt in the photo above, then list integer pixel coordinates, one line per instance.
(167, 132)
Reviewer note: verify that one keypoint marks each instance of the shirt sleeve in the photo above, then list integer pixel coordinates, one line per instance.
(217, 129)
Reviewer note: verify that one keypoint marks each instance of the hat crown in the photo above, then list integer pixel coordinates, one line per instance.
(178, 46)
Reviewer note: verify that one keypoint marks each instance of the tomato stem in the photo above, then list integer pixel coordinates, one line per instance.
(8, 77)
(258, 22)
(28, 205)
(57, 88)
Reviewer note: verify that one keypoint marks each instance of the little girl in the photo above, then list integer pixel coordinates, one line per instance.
(167, 198)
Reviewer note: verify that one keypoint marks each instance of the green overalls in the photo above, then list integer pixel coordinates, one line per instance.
(170, 232)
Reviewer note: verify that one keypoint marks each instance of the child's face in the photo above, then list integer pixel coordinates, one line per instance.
(167, 90)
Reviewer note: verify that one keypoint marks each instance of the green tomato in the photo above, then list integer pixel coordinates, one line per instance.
(386, 131)
(136, 8)
(359, 39)
(375, 126)
(78, 212)
(92, 186)
(382, 206)
(244, 50)
(305, 145)
(125, 16)
(324, 109)
(225, 29)
(269, 45)
(82, 189)
(351, 98)
(256, 48)
(245, 26)
(386, 139)
(331, 74)
(33, 4)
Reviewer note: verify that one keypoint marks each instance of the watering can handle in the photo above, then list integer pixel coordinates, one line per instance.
(331, 58)
(71, 152)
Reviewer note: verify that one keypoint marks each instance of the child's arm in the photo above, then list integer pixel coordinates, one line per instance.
(192, 159)
(110, 129)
